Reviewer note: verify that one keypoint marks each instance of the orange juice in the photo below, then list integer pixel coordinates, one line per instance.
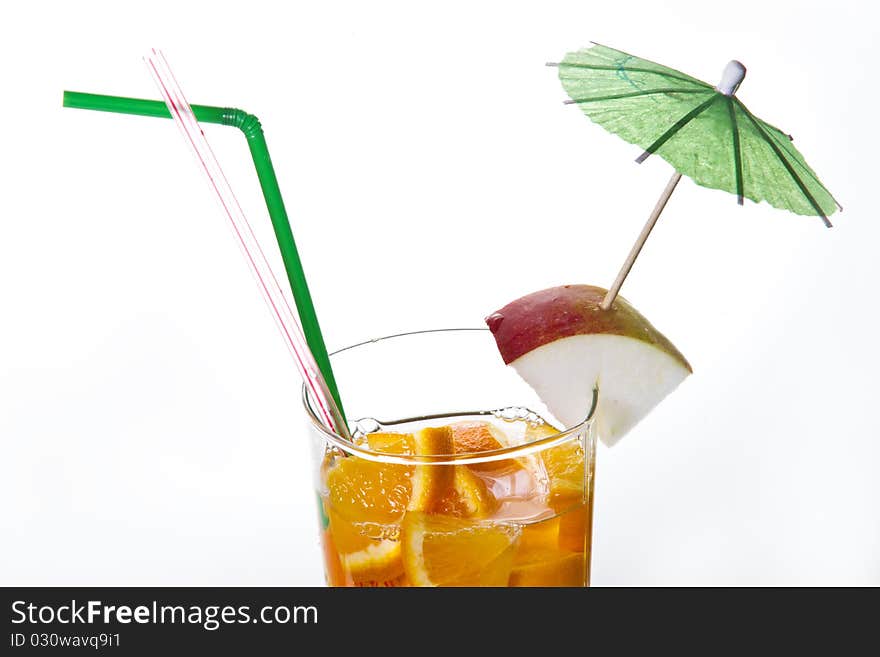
(423, 511)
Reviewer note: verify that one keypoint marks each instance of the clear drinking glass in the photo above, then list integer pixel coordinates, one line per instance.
(457, 476)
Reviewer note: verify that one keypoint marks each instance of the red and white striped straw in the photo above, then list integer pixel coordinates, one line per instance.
(253, 253)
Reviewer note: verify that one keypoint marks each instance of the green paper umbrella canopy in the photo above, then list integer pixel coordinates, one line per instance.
(705, 132)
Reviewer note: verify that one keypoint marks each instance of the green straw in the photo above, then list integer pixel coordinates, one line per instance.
(253, 131)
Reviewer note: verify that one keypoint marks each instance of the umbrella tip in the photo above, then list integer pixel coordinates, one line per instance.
(731, 77)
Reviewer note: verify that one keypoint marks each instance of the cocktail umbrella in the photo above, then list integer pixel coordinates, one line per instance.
(704, 132)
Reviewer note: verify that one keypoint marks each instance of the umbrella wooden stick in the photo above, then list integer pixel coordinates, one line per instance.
(640, 241)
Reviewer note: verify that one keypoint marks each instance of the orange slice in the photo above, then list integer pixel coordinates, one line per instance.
(380, 561)
(475, 436)
(565, 468)
(472, 437)
(551, 552)
(347, 536)
(446, 489)
(574, 528)
(364, 560)
(391, 443)
(431, 483)
(468, 497)
(543, 535)
(365, 491)
(446, 551)
(550, 568)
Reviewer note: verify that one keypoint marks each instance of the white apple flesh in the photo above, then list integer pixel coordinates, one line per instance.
(563, 344)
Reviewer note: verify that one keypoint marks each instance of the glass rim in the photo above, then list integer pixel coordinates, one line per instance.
(511, 451)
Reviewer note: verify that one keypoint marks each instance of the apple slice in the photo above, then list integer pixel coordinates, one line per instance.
(563, 344)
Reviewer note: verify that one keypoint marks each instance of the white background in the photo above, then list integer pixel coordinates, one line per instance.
(150, 431)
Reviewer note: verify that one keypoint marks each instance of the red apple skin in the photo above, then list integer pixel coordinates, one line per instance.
(560, 312)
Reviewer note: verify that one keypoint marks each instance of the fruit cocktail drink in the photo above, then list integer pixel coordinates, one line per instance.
(450, 497)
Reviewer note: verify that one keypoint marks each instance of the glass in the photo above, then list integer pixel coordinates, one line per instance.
(457, 475)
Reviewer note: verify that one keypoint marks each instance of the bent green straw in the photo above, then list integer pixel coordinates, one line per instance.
(253, 131)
